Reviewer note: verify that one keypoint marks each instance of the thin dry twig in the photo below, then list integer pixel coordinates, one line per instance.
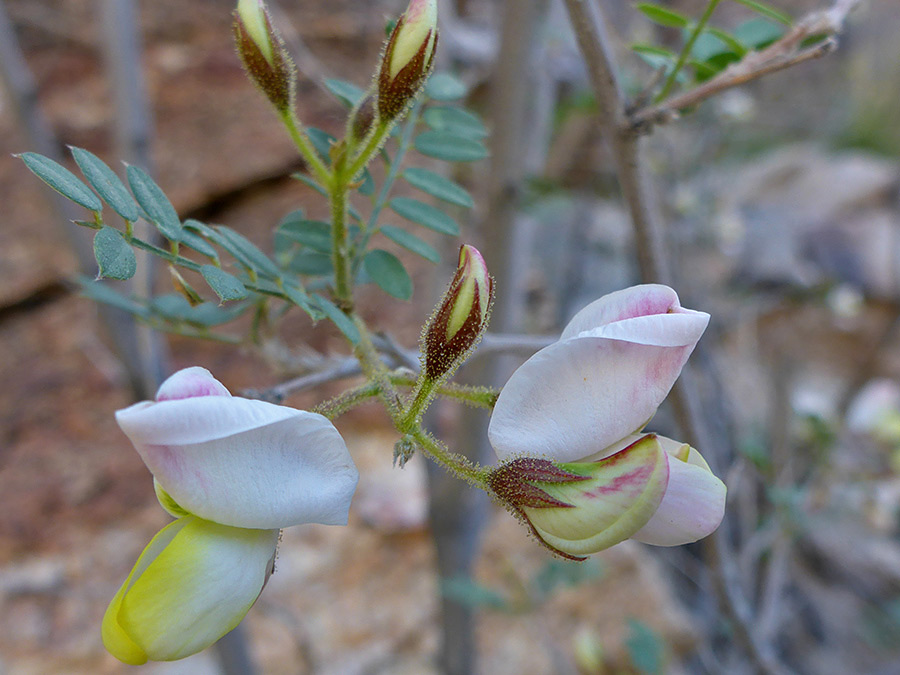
(784, 53)
(330, 369)
(595, 46)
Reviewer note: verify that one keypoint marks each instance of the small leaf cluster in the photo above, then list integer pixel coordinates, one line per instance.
(239, 276)
(438, 128)
(714, 49)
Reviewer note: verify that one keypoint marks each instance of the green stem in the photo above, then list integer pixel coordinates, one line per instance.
(173, 258)
(479, 397)
(340, 255)
(393, 173)
(682, 58)
(305, 146)
(421, 398)
(375, 370)
(376, 139)
(351, 398)
(473, 473)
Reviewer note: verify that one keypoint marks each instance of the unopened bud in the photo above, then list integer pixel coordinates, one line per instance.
(362, 118)
(263, 53)
(408, 58)
(461, 318)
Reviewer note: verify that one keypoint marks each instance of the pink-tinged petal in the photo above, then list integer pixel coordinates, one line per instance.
(244, 463)
(198, 419)
(693, 505)
(620, 495)
(190, 382)
(628, 303)
(682, 329)
(615, 363)
(579, 396)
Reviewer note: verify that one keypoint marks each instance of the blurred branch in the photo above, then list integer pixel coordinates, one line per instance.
(133, 130)
(329, 369)
(596, 48)
(784, 53)
(775, 575)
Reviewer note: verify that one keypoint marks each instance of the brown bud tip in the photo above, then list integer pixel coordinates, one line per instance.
(263, 53)
(461, 318)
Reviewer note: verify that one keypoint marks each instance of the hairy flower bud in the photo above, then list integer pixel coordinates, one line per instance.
(362, 118)
(408, 58)
(263, 53)
(462, 316)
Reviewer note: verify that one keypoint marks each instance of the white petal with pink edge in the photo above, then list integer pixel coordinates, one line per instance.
(643, 300)
(244, 463)
(576, 397)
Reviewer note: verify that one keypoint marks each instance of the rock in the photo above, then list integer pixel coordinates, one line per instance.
(37, 576)
(805, 217)
(388, 498)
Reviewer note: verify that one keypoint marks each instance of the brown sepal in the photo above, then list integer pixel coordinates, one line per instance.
(276, 80)
(441, 354)
(512, 483)
(395, 95)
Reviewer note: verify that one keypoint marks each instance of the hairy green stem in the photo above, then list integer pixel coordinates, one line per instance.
(422, 395)
(351, 398)
(340, 255)
(689, 45)
(479, 397)
(376, 139)
(305, 146)
(473, 473)
(393, 173)
(375, 370)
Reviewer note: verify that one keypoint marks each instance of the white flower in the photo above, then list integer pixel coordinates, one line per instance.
(579, 403)
(234, 472)
(241, 462)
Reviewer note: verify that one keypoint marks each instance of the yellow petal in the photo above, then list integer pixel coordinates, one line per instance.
(193, 583)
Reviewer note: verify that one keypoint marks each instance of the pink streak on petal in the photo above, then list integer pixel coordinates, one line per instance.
(168, 461)
(415, 10)
(633, 481)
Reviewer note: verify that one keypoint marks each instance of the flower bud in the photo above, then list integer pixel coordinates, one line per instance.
(263, 53)
(581, 508)
(408, 58)
(362, 118)
(461, 318)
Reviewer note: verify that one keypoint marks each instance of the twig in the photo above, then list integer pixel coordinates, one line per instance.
(330, 369)
(596, 49)
(348, 367)
(775, 575)
(784, 53)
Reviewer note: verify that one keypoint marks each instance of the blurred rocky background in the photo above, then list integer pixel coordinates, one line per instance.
(782, 211)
